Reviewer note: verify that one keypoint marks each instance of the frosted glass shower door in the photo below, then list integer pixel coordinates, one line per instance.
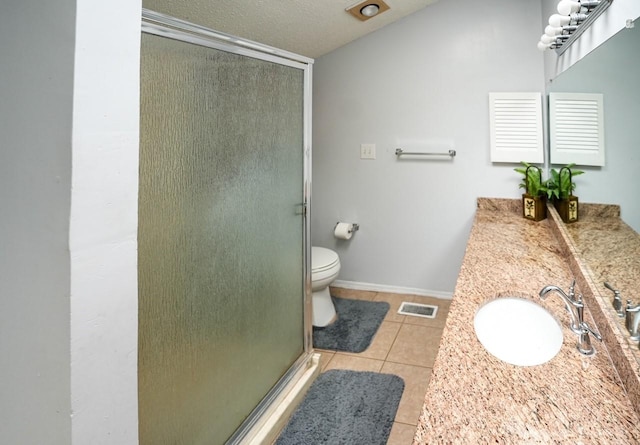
(221, 275)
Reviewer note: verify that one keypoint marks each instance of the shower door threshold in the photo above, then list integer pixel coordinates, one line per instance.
(270, 417)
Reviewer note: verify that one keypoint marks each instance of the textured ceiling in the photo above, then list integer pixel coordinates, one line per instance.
(307, 27)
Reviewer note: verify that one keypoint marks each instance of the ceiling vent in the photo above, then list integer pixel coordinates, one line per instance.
(367, 9)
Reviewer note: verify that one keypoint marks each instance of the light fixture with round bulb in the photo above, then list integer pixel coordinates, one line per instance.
(369, 10)
(557, 20)
(566, 7)
(558, 40)
(543, 46)
(552, 31)
(567, 26)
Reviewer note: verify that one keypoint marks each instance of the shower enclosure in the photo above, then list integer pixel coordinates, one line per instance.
(223, 264)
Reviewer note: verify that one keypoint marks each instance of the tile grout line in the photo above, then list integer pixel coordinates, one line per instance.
(395, 338)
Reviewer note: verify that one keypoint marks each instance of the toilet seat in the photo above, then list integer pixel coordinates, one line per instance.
(323, 259)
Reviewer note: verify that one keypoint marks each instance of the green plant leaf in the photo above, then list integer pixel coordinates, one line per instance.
(532, 182)
(560, 185)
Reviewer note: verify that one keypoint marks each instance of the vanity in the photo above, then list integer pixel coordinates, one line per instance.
(474, 397)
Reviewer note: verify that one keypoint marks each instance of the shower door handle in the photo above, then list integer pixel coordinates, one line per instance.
(301, 209)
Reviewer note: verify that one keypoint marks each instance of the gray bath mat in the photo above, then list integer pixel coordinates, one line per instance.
(345, 407)
(357, 323)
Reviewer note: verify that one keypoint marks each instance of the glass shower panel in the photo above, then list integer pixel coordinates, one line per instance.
(221, 279)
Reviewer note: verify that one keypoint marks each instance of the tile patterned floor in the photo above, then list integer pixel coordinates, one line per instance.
(405, 346)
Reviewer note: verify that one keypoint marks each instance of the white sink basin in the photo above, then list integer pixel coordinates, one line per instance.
(518, 331)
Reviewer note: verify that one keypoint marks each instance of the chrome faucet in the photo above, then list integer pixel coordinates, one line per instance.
(632, 320)
(617, 300)
(573, 305)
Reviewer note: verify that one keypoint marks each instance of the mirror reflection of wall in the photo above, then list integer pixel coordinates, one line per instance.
(612, 69)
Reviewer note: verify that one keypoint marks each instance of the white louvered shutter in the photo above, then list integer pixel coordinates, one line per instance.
(516, 127)
(576, 128)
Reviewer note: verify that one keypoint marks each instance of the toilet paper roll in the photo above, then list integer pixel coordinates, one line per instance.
(343, 231)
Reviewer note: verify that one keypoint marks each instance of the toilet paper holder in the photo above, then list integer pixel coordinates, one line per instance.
(354, 227)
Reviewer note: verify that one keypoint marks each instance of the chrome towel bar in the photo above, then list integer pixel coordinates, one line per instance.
(400, 152)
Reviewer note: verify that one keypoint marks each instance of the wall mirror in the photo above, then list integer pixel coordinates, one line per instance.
(612, 69)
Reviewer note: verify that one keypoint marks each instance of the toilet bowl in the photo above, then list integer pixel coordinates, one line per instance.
(325, 267)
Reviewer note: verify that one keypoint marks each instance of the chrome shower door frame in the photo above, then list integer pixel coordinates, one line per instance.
(170, 27)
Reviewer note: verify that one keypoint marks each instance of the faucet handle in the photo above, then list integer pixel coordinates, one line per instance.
(584, 342)
(584, 325)
(610, 287)
(617, 300)
(572, 290)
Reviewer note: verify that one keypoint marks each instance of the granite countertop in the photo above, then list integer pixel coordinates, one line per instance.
(474, 397)
(601, 247)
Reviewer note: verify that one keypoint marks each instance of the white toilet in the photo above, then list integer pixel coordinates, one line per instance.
(325, 267)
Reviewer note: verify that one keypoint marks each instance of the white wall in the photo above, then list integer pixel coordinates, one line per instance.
(103, 227)
(36, 81)
(421, 80)
(68, 190)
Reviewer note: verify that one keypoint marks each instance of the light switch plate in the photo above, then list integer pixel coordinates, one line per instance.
(367, 151)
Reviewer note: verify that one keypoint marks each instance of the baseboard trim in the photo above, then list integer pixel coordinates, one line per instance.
(393, 289)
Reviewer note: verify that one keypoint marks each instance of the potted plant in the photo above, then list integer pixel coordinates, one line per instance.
(560, 187)
(534, 202)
